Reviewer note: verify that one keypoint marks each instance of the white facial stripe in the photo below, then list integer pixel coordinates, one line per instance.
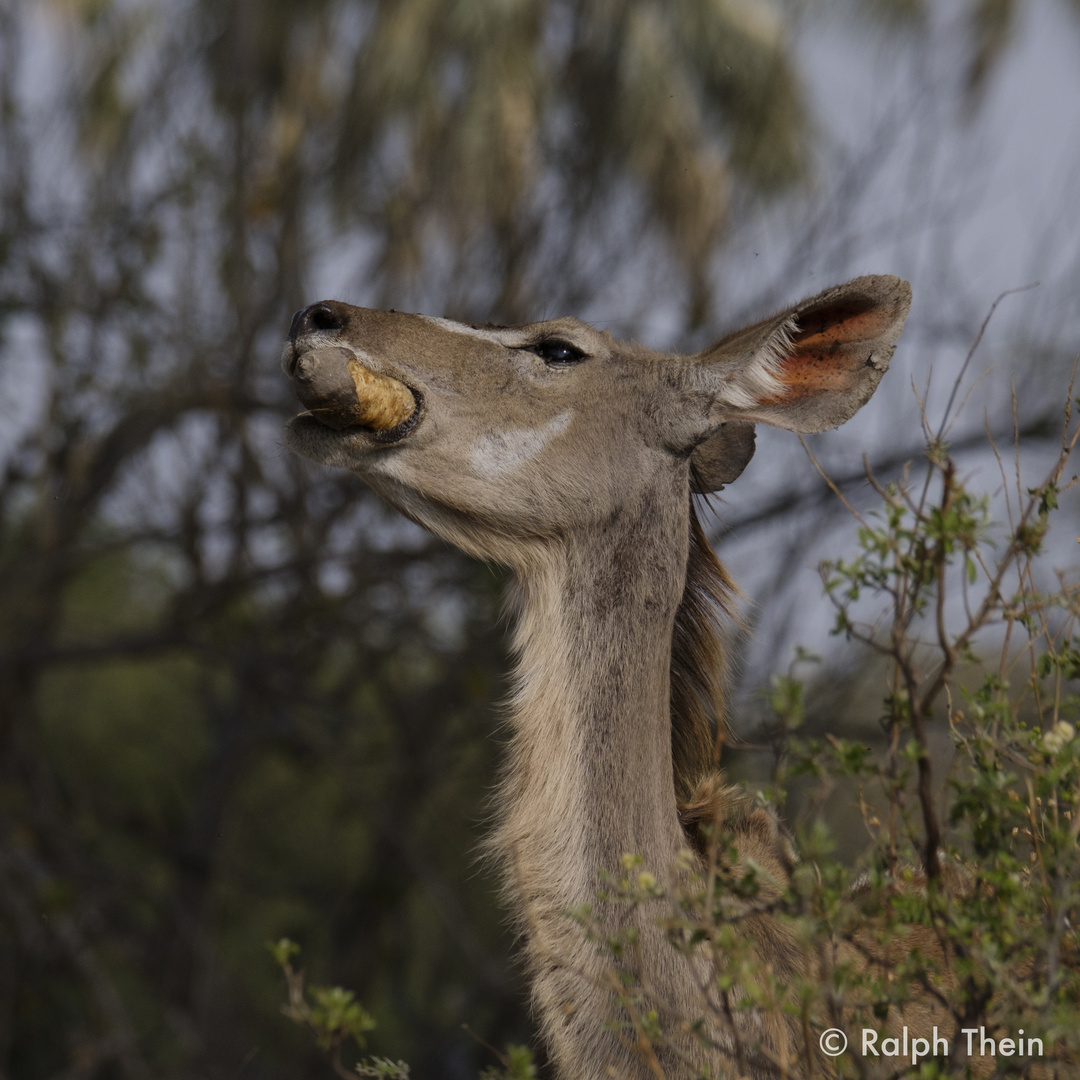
(512, 339)
(495, 455)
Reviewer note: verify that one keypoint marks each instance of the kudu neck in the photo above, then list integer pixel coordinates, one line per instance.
(590, 773)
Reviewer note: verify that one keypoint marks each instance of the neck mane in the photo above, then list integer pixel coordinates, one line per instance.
(699, 670)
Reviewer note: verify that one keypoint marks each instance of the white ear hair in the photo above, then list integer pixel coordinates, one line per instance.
(758, 376)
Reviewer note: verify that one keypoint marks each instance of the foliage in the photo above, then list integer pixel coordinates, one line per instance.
(517, 1064)
(332, 1015)
(970, 888)
(335, 1018)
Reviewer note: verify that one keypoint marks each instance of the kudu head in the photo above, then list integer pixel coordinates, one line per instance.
(503, 438)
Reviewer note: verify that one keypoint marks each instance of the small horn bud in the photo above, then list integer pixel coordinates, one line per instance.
(341, 393)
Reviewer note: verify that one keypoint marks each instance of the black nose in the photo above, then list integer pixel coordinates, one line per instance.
(321, 316)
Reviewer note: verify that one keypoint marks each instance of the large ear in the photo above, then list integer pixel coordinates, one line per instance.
(721, 457)
(810, 367)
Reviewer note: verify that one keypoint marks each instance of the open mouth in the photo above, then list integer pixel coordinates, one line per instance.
(342, 394)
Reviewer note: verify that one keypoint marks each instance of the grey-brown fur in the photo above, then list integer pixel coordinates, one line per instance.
(577, 475)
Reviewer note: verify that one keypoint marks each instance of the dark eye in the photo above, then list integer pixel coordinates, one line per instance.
(554, 351)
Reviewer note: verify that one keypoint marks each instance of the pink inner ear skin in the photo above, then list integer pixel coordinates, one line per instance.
(841, 325)
(808, 373)
(829, 350)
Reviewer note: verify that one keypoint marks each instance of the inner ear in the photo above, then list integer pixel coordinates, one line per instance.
(811, 367)
(721, 457)
(832, 339)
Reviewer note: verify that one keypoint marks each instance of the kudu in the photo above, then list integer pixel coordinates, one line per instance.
(570, 457)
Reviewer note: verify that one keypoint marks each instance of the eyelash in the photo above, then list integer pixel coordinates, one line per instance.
(556, 353)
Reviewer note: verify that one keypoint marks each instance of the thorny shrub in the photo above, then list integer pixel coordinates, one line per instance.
(971, 882)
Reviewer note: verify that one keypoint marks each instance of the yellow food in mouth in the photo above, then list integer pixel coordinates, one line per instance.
(341, 393)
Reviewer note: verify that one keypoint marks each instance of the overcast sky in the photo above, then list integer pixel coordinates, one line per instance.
(965, 211)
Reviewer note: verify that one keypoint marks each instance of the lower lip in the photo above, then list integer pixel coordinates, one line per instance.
(383, 438)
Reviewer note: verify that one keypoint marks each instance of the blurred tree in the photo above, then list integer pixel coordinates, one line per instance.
(992, 26)
(237, 699)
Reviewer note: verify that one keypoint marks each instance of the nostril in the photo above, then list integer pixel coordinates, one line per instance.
(321, 316)
(324, 317)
